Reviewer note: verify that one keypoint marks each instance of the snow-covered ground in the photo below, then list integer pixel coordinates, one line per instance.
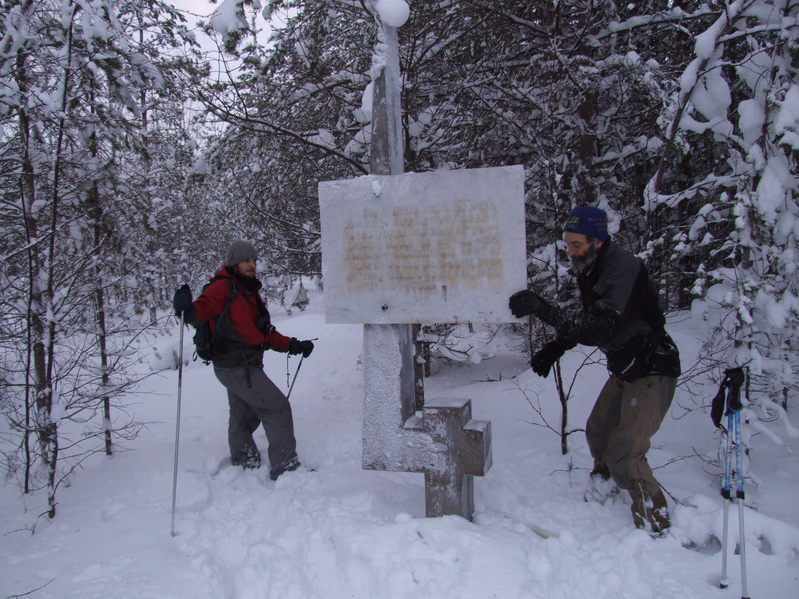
(342, 532)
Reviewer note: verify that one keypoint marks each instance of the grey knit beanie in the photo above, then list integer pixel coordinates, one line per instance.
(239, 251)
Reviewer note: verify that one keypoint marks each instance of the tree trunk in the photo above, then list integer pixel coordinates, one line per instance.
(44, 347)
(99, 295)
(564, 414)
(102, 333)
(34, 361)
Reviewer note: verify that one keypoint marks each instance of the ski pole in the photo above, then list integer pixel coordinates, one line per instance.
(725, 493)
(295, 372)
(739, 498)
(177, 426)
(295, 377)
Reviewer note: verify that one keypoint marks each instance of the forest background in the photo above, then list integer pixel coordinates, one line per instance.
(130, 155)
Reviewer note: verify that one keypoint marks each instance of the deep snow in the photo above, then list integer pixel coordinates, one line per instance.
(342, 532)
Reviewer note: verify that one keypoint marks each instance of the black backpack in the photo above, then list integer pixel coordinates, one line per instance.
(209, 345)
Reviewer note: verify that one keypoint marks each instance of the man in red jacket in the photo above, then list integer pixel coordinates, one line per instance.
(243, 331)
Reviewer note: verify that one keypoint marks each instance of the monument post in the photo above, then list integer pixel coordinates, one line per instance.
(401, 249)
(386, 157)
(393, 437)
(386, 152)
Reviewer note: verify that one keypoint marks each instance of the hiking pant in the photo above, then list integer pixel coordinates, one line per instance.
(255, 400)
(618, 431)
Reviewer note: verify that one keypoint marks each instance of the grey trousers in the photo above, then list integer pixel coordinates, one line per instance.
(624, 419)
(260, 402)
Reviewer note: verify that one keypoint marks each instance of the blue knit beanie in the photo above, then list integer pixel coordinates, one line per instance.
(589, 221)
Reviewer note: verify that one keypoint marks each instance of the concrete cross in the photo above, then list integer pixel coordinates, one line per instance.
(458, 448)
(442, 441)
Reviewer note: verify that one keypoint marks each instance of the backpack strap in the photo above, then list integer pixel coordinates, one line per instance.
(224, 313)
(228, 300)
(231, 292)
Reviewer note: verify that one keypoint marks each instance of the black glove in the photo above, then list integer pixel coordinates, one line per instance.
(524, 303)
(183, 304)
(300, 347)
(543, 359)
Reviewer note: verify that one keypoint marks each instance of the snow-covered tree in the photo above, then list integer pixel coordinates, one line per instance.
(739, 96)
(72, 72)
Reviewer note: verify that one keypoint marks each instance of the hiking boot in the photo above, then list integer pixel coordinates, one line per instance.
(650, 513)
(659, 522)
(249, 459)
(288, 466)
(601, 487)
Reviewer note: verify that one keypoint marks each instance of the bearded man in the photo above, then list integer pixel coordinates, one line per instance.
(232, 303)
(620, 316)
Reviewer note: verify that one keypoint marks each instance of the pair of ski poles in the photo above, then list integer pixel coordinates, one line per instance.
(733, 473)
(177, 420)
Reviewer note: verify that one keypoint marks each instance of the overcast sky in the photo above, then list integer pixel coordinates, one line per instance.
(200, 7)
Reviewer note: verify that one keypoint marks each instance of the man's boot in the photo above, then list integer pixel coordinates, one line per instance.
(601, 486)
(248, 458)
(288, 466)
(650, 512)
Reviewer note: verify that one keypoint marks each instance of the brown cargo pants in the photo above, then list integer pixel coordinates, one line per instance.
(625, 417)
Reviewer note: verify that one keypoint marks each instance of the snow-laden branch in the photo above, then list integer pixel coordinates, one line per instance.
(707, 52)
(707, 184)
(310, 89)
(242, 119)
(672, 17)
(496, 7)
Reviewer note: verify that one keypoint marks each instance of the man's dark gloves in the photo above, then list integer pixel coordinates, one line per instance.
(524, 303)
(300, 347)
(183, 304)
(543, 359)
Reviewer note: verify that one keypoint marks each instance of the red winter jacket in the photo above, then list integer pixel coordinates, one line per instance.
(244, 312)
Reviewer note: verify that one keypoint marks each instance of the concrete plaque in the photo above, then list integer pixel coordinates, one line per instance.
(445, 246)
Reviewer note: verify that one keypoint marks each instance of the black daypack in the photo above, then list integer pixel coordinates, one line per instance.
(207, 344)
